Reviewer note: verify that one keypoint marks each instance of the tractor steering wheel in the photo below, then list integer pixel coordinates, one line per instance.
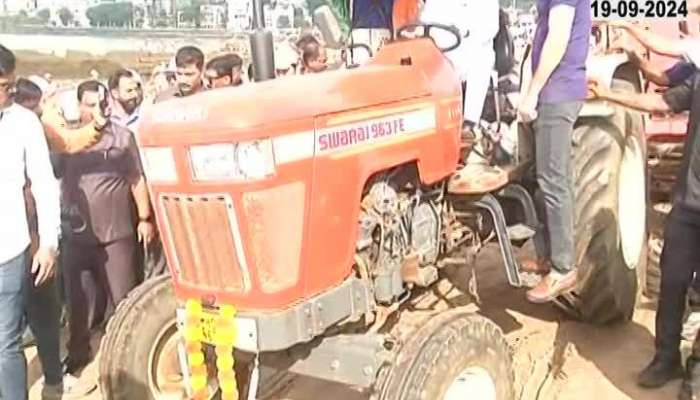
(349, 54)
(401, 33)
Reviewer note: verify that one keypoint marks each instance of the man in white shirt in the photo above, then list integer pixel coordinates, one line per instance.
(23, 154)
(477, 22)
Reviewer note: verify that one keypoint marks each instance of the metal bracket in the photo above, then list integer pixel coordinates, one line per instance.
(491, 204)
(348, 359)
(521, 195)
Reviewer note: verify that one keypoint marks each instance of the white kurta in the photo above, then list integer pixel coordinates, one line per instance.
(474, 59)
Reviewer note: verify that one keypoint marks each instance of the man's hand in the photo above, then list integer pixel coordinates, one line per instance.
(596, 89)
(146, 232)
(527, 110)
(98, 117)
(43, 265)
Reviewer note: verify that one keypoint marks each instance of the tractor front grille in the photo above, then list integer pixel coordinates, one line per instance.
(203, 235)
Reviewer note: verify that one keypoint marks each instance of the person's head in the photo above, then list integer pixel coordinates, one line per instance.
(224, 71)
(304, 40)
(92, 96)
(189, 62)
(125, 88)
(314, 58)
(7, 75)
(28, 95)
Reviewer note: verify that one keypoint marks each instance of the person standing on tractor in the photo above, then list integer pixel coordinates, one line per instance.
(24, 155)
(477, 23)
(552, 102)
(189, 62)
(680, 257)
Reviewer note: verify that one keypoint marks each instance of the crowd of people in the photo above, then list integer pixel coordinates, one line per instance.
(71, 169)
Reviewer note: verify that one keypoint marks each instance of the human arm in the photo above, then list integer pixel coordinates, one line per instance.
(676, 99)
(652, 41)
(561, 19)
(46, 194)
(139, 190)
(650, 71)
(65, 140)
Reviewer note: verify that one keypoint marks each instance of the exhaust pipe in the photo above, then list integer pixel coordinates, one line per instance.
(261, 46)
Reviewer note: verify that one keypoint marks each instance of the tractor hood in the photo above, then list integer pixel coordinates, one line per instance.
(253, 107)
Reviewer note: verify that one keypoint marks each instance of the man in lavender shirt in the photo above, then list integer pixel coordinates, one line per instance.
(552, 101)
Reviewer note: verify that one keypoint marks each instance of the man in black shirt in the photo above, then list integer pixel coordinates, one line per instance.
(680, 258)
(100, 183)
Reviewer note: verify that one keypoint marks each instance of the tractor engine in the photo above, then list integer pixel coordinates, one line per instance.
(399, 235)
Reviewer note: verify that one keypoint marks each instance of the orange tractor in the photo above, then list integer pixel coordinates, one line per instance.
(305, 218)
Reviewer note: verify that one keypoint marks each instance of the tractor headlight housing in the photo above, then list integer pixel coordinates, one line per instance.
(159, 164)
(232, 162)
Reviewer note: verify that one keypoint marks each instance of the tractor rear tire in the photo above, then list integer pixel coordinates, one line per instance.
(456, 355)
(653, 284)
(610, 199)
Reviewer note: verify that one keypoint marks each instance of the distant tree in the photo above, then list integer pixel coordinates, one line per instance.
(44, 15)
(23, 14)
(66, 16)
(192, 13)
(111, 14)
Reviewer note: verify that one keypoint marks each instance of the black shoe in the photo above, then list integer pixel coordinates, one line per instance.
(659, 372)
(690, 388)
(73, 365)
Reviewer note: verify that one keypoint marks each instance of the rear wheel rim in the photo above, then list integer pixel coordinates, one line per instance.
(472, 383)
(631, 202)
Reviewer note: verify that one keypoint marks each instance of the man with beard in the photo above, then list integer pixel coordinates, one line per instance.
(127, 92)
(189, 63)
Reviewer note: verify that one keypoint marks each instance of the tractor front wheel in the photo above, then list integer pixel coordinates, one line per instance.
(139, 352)
(456, 355)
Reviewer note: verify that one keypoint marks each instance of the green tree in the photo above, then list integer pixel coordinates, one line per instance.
(111, 14)
(66, 16)
(44, 15)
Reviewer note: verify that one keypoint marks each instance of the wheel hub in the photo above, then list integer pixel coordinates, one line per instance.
(166, 380)
(631, 202)
(473, 383)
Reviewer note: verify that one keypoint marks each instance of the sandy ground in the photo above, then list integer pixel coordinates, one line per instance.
(554, 357)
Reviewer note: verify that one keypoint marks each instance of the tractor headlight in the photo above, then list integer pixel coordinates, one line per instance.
(255, 159)
(242, 161)
(159, 164)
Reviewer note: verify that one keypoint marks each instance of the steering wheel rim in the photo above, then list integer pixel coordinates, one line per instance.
(426, 33)
(349, 54)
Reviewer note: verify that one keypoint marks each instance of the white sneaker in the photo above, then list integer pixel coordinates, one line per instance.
(71, 388)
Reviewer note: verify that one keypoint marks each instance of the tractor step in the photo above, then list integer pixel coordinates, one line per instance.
(520, 232)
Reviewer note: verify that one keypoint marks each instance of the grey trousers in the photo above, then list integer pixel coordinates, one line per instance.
(554, 128)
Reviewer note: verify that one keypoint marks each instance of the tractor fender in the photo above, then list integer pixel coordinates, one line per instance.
(605, 68)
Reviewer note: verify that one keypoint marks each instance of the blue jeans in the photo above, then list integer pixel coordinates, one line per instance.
(554, 129)
(14, 283)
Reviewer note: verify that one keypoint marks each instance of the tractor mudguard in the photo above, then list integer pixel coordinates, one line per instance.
(604, 68)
